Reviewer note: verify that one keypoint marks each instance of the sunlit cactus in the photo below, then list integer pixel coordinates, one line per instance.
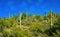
(53, 17)
(20, 18)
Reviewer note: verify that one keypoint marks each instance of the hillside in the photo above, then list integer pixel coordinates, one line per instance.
(31, 26)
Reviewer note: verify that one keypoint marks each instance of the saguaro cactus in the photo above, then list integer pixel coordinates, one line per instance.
(20, 18)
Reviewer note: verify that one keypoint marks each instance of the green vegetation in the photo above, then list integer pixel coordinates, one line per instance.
(31, 26)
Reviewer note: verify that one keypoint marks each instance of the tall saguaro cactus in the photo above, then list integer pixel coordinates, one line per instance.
(20, 18)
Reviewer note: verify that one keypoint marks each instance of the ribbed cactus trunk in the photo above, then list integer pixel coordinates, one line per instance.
(51, 19)
(20, 19)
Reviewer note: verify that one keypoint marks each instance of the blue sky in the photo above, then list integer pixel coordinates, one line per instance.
(31, 6)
